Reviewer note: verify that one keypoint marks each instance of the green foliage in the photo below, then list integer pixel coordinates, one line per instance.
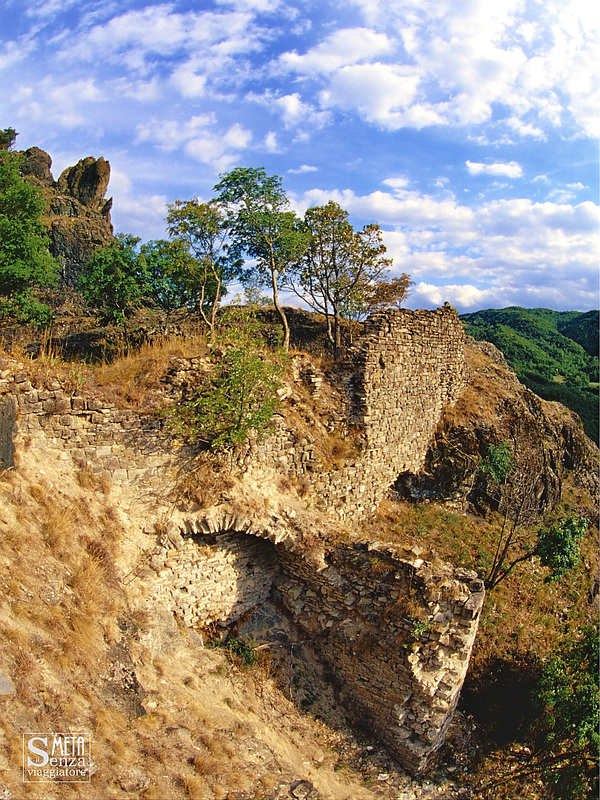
(114, 280)
(262, 228)
(558, 545)
(25, 262)
(7, 138)
(200, 231)
(554, 353)
(241, 396)
(581, 328)
(499, 462)
(165, 269)
(237, 650)
(344, 273)
(568, 724)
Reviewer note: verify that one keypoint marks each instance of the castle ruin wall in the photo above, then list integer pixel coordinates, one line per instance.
(402, 663)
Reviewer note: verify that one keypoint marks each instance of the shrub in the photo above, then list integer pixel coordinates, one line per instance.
(240, 397)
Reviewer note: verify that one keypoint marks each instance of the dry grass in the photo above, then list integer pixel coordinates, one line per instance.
(204, 481)
(91, 480)
(133, 380)
(523, 617)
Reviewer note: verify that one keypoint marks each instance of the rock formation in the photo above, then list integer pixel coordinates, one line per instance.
(496, 407)
(78, 216)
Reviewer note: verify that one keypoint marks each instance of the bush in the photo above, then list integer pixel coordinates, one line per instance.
(240, 397)
(558, 545)
(568, 724)
(25, 262)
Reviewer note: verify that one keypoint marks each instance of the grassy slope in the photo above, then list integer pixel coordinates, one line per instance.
(553, 353)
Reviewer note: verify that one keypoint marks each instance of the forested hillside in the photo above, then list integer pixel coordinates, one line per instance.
(554, 353)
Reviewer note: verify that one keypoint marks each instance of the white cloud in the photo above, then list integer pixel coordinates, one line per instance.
(219, 151)
(13, 53)
(341, 48)
(303, 170)
(510, 170)
(525, 129)
(536, 62)
(379, 92)
(188, 82)
(396, 183)
(485, 255)
(260, 6)
(141, 40)
(199, 139)
(170, 135)
(295, 113)
(271, 143)
(237, 136)
(136, 211)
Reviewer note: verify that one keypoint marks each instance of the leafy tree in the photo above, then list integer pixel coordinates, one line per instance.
(516, 491)
(7, 138)
(240, 397)
(201, 230)
(568, 695)
(345, 273)
(383, 293)
(25, 261)
(558, 545)
(114, 281)
(166, 274)
(262, 228)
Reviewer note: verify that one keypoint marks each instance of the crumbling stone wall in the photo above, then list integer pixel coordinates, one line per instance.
(121, 444)
(404, 370)
(396, 630)
(214, 579)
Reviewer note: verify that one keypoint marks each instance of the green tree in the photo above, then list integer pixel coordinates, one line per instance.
(515, 485)
(166, 269)
(567, 752)
(558, 545)
(25, 262)
(114, 281)
(344, 271)
(7, 138)
(241, 396)
(201, 230)
(262, 227)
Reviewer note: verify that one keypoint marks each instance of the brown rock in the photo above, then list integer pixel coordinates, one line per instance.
(78, 218)
(36, 166)
(87, 182)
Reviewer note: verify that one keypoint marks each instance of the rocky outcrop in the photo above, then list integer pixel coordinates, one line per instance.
(547, 439)
(78, 216)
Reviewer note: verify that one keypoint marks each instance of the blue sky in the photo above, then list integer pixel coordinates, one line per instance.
(468, 129)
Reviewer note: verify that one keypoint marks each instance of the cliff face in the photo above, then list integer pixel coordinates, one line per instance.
(548, 439)
(78, 216)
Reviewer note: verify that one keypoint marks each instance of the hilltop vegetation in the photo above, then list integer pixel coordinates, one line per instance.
(554, 353)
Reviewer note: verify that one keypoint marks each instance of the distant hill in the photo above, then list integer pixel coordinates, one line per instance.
(554, 353)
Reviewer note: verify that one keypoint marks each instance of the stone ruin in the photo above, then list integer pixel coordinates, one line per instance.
(395, 629)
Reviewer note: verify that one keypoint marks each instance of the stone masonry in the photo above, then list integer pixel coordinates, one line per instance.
(406, 367)
(396, 630)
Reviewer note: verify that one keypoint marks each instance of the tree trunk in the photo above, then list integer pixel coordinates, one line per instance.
(337, 334)
(280, 312)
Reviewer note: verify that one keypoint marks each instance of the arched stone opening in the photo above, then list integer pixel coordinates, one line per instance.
(395, 631)
(216, 578)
